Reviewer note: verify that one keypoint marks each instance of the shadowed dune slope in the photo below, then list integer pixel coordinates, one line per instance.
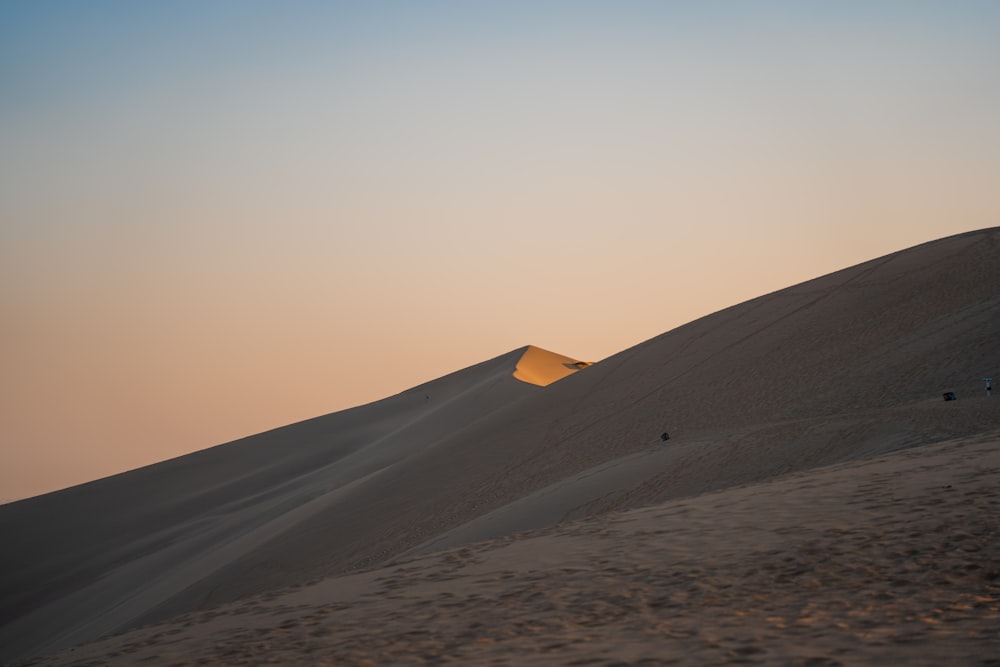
(847, 366)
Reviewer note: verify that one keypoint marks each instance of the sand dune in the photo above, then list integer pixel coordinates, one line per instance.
(846, 370)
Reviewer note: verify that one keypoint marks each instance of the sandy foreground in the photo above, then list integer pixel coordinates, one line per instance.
(894, 560)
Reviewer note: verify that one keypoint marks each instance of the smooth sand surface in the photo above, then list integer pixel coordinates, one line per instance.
(542, 368)
(893, 560)
(843, 370)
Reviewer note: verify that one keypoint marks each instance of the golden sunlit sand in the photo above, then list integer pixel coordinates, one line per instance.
(541, 367)
(817, 503)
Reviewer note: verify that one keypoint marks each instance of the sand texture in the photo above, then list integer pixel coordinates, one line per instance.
(817, 503)
(888, 561)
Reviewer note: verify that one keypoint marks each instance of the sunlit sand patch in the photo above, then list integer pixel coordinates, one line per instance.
(542, 368)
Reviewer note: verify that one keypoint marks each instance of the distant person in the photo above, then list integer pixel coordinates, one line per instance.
(664, 436)
(989, 388)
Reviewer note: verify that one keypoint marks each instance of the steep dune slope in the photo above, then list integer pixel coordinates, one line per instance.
(845, 366)
(838, 368)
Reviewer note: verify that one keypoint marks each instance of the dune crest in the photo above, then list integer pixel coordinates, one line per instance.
(541, 367)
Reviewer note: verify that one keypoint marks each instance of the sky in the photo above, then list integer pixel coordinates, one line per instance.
(217, 218)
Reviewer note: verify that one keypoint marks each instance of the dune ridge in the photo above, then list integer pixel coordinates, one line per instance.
(841, 370)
